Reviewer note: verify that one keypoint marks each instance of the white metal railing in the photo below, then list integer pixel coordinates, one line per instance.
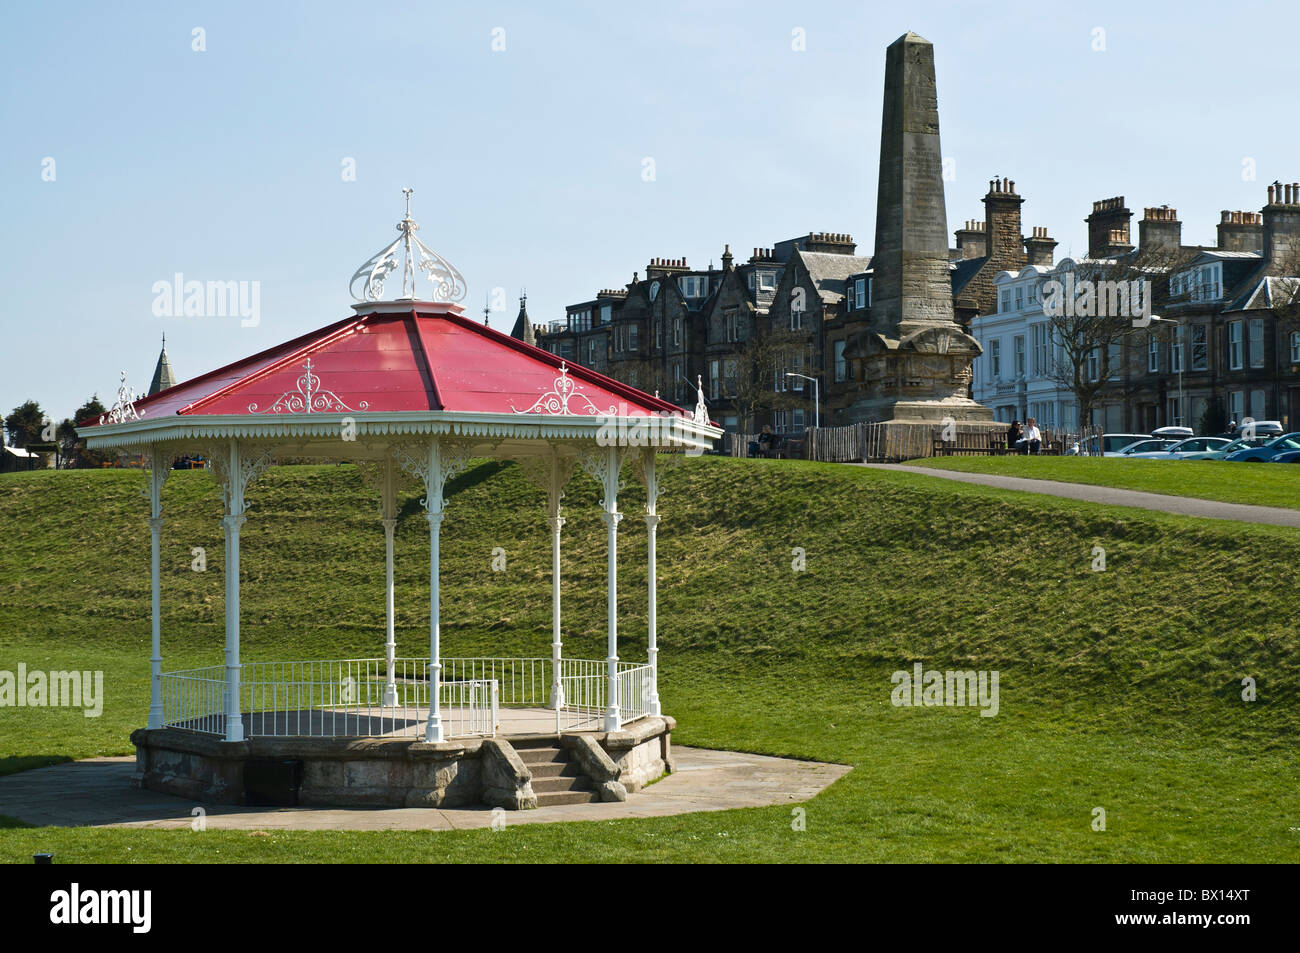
(584, 682)
(635, 691)
(195, 699)
(367, 698)
(525, 682)
(332, 698)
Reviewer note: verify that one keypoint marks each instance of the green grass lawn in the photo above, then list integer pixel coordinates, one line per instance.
(1119, 689)
(1260, 485)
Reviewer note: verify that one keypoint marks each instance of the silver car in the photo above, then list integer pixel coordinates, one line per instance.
(1183, 448)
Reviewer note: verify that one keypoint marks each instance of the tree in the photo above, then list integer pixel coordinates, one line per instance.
(750, 390)
(73, 447)
(1094, 312)
(1215, 417)
(24, 424)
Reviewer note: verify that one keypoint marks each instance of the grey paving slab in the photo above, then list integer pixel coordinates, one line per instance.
(1112, 496)
(97, 792)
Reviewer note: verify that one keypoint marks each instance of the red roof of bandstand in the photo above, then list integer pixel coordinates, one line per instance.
(428, 358)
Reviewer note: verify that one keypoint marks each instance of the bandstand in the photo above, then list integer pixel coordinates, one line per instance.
(409, 389)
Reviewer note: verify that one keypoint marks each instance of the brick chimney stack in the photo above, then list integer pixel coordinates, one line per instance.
(1005, 243)
(1039, 248)
(727, 260)
(833, 243)
(972, 241)
(1240, 231)
(1160, 230)
(1108, 228)
(1282, 228)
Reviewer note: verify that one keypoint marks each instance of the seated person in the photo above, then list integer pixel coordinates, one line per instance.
(1032, 441)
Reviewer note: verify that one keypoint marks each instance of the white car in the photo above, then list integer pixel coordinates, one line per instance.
(1143, 447)
(1183, 448)
(1113, 444)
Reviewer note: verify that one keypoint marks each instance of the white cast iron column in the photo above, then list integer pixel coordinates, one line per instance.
(651, 477)
(159, 466)
(233, 520)
(434, 464)
(390, 641)
(236, 467)
(433, 505)
(604, 465)
(551, 474)
(554, 492)
(556, 522)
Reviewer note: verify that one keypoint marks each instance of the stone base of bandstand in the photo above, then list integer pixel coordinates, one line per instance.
(393, 772)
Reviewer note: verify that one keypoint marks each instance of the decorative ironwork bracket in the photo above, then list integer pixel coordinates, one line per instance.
(309, 398)
(557, 399)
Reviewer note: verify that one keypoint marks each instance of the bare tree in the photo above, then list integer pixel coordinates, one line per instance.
(1095, 311)
(753, 388)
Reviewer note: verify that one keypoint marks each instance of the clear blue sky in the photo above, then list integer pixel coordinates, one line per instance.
(527, 163)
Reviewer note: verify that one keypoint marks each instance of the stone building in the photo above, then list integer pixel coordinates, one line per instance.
(1228, 346)
(676, 325)
(1232, 334)
(803, 297)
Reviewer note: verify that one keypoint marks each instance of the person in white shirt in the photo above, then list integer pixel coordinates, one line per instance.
(1032, 440)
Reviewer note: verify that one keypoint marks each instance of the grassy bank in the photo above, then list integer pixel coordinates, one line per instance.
(1119, 689)
(1204, 479)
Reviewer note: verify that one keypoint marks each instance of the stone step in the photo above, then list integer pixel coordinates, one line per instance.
(556, 785)
(532, 756)
(554, 769)
(555, 798)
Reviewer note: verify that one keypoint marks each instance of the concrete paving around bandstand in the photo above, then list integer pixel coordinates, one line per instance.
(1113, 496)
(97, 792)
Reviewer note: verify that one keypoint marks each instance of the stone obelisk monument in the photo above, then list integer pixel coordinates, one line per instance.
(915, 360)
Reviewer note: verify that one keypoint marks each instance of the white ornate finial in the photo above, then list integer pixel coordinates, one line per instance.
(123, 408)
(701, 410)
(448, 283)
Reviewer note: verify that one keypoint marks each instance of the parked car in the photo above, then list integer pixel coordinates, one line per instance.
(1291, 456)
(1266, 451)
(1182, 448)
(1110, 444)
(1266, 428)
(1241, 443)
(1144, 446)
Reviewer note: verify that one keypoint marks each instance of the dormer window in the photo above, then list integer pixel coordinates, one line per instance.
(654, 290)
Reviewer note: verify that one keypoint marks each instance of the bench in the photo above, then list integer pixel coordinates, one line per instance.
(994, 445)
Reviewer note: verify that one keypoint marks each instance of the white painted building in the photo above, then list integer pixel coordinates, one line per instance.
(1013, 375)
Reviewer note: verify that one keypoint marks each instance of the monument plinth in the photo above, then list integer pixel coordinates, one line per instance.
(914, 359)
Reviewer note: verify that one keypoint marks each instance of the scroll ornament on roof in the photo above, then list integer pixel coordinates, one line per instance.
(309, 398)
(123, 408)
(562, 393)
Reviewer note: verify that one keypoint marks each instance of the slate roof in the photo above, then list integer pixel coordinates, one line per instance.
(1266, 293)
(523, 329)
(963, 271)
(828, 271)
(163, 375)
